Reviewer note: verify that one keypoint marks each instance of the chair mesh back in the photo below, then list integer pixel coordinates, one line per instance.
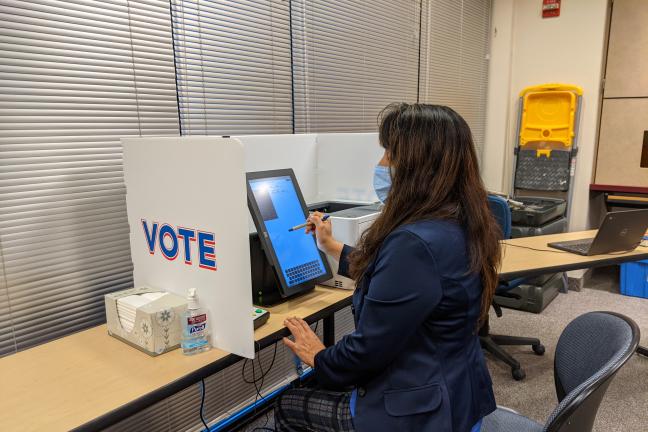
(588, 348)
(587, 345)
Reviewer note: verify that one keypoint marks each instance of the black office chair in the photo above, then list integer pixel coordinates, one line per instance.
(590, 352)
(493, 343)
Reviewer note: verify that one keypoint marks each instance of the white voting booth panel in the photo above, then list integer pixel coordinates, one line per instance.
(187, 211)
(270, 152)
(299, 152)
(331, 166)
(197, 183)
(345, 166)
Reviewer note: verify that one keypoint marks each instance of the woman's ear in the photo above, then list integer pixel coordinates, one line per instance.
(384, 161)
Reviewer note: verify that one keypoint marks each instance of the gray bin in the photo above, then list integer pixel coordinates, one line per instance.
(537, 210)
(554, 227)
(533, 298)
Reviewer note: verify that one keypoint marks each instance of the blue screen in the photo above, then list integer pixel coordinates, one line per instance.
(280, 208)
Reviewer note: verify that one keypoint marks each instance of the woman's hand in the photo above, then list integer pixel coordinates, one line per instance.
(324, 235)
(306, 344)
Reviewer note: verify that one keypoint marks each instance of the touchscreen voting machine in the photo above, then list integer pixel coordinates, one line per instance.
(276, 204)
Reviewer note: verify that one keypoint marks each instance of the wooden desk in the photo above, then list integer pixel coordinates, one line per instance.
(530, 256)
(90, 380)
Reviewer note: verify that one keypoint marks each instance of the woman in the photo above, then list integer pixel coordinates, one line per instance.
(426, 272)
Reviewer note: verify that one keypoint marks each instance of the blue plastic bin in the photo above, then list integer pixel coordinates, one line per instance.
(634, 279)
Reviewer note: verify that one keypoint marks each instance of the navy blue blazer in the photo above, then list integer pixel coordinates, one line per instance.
(414, 357)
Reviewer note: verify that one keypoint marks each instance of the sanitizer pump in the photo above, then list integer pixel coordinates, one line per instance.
(195, 332)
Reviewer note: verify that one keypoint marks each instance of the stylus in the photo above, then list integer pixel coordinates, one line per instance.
(300, 226)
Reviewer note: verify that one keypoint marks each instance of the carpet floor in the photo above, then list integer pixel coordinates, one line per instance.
(625, 406)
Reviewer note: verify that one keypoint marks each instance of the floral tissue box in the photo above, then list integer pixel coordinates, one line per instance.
(145, 318)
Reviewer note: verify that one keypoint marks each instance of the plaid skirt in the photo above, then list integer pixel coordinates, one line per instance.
(313, 410)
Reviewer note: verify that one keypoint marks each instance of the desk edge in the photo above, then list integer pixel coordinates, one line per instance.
(612, 260)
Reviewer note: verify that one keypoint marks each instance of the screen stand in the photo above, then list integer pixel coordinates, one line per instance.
(265, 283)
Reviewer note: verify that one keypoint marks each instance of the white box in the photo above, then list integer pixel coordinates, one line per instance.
(348, 225)
(157, 324)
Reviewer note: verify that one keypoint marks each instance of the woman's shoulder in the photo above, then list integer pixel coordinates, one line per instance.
(436, 234)
(434, 227)
(439, 241)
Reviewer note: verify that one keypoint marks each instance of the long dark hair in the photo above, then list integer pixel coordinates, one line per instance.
(435, 175)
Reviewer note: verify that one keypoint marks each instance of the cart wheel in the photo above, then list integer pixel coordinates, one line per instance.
(518, 374)
(538, 349)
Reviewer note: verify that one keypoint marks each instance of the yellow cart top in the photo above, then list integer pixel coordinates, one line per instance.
(549, 117)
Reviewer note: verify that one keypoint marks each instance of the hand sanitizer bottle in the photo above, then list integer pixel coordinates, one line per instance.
(195, 333)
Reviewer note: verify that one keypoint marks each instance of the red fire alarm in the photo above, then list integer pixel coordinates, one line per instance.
(550, 8)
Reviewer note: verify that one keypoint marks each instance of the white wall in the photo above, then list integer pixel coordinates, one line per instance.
(499, 100)
(528, 50)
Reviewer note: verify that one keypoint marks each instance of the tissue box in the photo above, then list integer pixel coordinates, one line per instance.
(155, 325)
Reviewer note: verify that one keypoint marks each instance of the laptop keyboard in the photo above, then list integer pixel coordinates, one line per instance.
(303, 272)
(581, 247)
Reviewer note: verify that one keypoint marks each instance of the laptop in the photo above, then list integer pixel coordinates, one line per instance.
(621, 231)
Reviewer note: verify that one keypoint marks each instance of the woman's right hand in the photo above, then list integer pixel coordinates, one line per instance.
(324, 234)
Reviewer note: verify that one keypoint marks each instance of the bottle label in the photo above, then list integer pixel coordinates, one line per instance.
(197, 319)
(196, 324)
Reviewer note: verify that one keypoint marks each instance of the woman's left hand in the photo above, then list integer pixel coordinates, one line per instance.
(306, 344)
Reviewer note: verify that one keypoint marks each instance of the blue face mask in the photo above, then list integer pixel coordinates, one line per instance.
(382, 182)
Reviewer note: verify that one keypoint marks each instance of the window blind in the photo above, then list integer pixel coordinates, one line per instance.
(233, 66)
(454, 59)
(351, 59)
(75, 78)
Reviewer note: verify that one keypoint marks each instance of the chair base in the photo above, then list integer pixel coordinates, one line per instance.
(493, 344)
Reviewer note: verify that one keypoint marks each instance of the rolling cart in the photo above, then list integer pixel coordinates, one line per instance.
(542, 185)
(545, 154)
